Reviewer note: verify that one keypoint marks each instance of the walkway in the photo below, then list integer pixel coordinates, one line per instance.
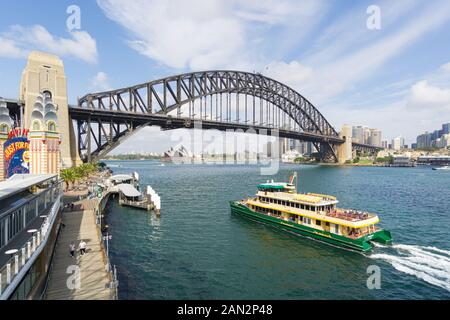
(79, 224)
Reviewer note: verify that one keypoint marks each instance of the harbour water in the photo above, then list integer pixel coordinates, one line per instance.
(198, 250)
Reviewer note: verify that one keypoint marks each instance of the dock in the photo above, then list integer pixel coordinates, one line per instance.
(95, 279)
(127, 187)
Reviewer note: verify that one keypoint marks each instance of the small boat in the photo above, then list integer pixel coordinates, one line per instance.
(441, 168)
(312, 215)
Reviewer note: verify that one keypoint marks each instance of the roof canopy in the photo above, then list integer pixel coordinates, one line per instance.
(128, 190)
(272, 186)
(20, 182)
(121, 177)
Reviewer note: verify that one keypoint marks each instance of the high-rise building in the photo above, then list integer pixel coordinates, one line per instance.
(385, 144)
(366, 132)
(366, 135)
(398, 143)
(375, 137)
(358, 134)
(424, 140)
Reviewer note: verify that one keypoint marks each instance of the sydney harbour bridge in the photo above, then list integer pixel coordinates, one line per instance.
(220, 99)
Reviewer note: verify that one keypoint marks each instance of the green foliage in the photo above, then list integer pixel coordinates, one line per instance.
(356, 160)
(72, 175)
(132, 157)
(388, 159)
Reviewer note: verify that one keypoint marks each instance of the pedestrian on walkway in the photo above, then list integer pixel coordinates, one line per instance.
(72, 249)
(82, 247)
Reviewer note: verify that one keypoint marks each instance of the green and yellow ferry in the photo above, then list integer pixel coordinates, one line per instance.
(312, 215)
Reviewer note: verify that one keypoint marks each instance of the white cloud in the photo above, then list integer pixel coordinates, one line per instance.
(292, 74)
(446, 67)
(426, 96)
(20, 40)
(9, 49)
(283, 12)
(100, 82)
(208, 34)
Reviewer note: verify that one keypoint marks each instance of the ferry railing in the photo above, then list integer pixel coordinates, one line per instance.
(27, 253)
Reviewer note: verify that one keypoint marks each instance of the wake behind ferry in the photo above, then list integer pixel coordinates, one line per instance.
(312, 215)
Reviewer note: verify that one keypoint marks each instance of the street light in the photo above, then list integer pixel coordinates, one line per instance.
(106, 238)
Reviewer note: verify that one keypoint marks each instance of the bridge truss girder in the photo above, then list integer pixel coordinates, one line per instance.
(273, 105)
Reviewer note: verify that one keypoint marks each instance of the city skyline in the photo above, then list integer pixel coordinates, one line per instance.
(367, 77)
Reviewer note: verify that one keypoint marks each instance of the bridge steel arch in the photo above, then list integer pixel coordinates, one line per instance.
(119, 113)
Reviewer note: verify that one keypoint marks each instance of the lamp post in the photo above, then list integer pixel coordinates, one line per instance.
(106, 238)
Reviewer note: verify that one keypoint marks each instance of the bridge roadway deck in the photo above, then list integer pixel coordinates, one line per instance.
(79, 225)
(169, 122)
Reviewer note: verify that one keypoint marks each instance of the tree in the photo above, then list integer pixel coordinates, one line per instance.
(68, 176)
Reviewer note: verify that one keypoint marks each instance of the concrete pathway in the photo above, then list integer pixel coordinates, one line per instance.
(80, 225)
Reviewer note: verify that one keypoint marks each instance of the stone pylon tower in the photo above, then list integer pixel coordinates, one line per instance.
(44, 73)
(345, 150)
(6, 123)
(44, 137)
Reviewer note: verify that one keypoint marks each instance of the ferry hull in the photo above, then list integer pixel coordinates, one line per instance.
(360, 244)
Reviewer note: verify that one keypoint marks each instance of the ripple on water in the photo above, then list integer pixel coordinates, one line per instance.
(198, 250)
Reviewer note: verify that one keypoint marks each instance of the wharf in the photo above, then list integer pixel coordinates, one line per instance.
(95, 279)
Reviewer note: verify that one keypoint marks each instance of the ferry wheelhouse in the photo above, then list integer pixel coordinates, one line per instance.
(312, 215)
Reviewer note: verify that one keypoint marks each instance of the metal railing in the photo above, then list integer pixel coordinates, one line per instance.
(32, 247)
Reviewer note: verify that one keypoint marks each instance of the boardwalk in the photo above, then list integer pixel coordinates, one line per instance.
(80, 224)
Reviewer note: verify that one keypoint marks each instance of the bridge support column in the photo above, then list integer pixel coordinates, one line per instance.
(45, 73)
(344, 151)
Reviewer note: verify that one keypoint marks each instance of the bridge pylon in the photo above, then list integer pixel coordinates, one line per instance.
(345, 151)
(44, 73)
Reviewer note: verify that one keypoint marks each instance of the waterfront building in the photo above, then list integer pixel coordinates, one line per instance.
(434, 160)
(44, 137)
(402, 161)
(29, 223)
(385, 144)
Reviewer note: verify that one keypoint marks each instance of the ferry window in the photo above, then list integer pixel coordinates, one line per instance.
(318, 222)
(297, 205)
(301, 218)
(302, 206)
(336, 228)
(307, 208)
(327, 224)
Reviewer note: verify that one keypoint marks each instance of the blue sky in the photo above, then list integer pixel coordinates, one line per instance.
(396, 78)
